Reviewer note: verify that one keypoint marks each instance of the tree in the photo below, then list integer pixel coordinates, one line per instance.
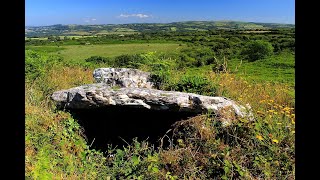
(258, 49)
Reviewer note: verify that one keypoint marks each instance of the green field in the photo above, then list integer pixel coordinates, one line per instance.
(104, 32)
(81, 52)
(279, 68)
(46, 38)
(78, 33)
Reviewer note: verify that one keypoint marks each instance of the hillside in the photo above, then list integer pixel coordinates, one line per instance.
(254, 67)
(187, 26)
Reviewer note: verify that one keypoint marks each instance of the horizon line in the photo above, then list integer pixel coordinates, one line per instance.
(165, 23)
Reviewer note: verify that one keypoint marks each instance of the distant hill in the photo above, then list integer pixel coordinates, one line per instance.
(68, 30)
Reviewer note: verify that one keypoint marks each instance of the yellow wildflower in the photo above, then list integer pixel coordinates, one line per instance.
(259, 137)
(286, 109)
(276, 141)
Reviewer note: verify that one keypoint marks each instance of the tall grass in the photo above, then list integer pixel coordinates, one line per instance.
(200, 148)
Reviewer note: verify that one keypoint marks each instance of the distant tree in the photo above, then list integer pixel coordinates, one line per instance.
(98, 59)
(258, 49)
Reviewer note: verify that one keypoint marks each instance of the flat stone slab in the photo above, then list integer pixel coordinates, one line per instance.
(102, 95)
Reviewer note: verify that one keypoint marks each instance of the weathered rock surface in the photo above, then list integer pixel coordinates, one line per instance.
(123, 77)
(102, 95)
(125, 87)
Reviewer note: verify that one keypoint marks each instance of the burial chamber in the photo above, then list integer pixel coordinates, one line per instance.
(123, 104)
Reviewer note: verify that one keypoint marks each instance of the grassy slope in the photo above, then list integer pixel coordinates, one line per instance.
(278, 68)
(264, 149)
(81, 52)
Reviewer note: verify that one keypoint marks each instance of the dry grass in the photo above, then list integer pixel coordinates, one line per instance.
(241, 90)
(68, 77)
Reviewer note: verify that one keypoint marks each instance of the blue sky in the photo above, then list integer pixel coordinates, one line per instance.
(48, 12)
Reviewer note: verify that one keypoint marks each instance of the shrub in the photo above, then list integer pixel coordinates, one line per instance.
(98, 59)
(160, 75)
(255, 50)
(37, 63)
(196, 57)
(194, 84)
(129, 61)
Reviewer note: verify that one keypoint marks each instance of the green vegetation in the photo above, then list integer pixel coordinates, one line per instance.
(78, 53)
(278, 68)
(202, 147)
(258, 49)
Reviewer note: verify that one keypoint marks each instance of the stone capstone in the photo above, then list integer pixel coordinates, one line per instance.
(101, 95)
(124, 87)
(123, 77)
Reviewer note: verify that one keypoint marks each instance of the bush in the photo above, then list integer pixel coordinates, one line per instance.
(197, 57)
(195, 84)
(255, 50)
(36, 64)
(129, 61)
(160, 75)
(98, 59)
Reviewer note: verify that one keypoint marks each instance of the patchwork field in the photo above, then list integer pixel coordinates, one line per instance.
(81, 52)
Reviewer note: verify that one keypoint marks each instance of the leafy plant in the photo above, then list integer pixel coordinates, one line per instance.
(258, 49)
(129, 61)
(160, 75)
(99, 59)
(194, 84)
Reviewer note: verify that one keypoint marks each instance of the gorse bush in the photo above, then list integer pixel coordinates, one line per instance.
(258, 49)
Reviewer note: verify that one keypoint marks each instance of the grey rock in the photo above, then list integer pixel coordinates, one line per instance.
(123, 77)
(102, 95)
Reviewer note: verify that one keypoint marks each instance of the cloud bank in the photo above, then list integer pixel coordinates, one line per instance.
(134, 15)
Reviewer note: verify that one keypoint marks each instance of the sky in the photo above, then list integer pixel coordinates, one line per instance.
(49, 12)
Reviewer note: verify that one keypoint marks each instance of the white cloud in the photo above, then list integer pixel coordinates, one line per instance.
(88, 20)
(134, 15)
